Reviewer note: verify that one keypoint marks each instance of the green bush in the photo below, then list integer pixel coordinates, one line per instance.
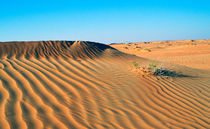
(146, 50)
(135, 64)
(152, 66)
(153, 69)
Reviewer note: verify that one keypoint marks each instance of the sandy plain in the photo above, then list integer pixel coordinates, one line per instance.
(86, 85)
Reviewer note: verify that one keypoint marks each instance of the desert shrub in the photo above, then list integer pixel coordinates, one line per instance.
(146, 50)
(135, 64)
(125, 47)
(164, 72)
(159, 47)
(152, 66)
(138, 49)
(154, 70)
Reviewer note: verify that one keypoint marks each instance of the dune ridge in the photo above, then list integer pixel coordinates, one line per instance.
(38, 49)
(40, 91)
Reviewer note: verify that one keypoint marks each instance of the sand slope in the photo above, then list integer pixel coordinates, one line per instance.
(90, 85)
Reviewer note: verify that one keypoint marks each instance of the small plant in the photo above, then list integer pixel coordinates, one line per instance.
(164, 72)
(135, 64)
(154, 70)
(152, 66)
(159, 47)
(125, 47)
(146, 50)
(136, 47)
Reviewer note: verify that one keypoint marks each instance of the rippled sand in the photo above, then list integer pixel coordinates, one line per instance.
(79, 85)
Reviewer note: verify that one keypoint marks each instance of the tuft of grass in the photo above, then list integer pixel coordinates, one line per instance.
(152, 66)
(135, 64)
(146, 50)
(137, 48)
(125, 47)
(154, 70)
(159, 47)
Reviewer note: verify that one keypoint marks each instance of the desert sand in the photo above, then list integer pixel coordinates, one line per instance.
(87, 85)
(191, 53)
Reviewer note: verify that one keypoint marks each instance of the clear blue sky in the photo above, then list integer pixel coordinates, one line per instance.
(104, 20)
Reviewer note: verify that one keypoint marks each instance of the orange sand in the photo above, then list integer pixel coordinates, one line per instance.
(85, 85)
(195, 54)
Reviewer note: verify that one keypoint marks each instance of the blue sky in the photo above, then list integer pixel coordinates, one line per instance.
(104, 21)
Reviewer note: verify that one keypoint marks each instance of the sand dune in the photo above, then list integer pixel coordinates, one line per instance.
(86, 85)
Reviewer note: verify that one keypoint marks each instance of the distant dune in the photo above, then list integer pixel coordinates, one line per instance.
(87, 85)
